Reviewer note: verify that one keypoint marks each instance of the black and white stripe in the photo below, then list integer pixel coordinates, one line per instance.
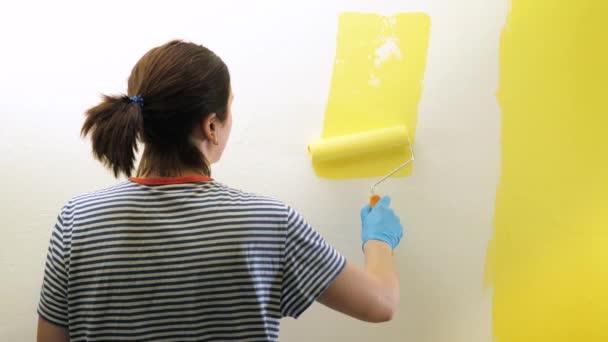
(182, 262)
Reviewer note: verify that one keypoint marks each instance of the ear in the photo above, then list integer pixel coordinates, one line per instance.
(210, 125)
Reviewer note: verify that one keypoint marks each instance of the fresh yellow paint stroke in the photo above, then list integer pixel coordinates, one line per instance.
(376, 83)
(548, 260)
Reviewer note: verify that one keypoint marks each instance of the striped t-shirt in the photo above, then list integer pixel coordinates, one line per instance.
(181, 259)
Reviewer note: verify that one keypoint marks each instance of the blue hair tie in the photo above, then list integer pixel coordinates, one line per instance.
(138, 99)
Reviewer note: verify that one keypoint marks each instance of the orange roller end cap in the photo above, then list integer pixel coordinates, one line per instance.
(373, 200)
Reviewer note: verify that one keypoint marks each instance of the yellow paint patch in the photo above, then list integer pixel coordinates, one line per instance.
(376, 83)
(548, 260)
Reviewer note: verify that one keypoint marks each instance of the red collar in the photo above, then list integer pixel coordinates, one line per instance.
(170, 180)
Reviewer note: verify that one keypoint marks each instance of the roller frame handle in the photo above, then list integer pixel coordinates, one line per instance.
(373, 200)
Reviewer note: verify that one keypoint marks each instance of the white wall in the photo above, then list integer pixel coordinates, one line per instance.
(58, 57)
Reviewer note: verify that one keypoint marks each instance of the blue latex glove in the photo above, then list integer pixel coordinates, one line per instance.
(381, 223)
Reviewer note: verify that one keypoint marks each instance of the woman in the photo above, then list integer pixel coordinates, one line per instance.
(171, 254)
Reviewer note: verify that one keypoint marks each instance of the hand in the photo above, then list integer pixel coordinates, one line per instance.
(381, 223)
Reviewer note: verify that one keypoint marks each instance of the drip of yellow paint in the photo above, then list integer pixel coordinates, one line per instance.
(376, 83)
(548, 260)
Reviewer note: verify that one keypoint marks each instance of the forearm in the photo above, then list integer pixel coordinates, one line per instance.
(380, 265)
(370, 293)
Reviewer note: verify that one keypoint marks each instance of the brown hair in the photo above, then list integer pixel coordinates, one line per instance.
(180, 83)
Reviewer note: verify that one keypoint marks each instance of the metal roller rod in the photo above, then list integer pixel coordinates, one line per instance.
(373, 189)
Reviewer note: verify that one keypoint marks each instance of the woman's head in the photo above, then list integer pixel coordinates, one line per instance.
(181, 113)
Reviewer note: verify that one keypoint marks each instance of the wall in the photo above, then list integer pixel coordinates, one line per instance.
(58, 57)
(547, 259)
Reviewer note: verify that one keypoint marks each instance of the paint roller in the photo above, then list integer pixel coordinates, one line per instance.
(358, 144)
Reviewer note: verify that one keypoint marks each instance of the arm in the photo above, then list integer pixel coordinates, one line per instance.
(53, 305)
(370, 294)
(49, 332)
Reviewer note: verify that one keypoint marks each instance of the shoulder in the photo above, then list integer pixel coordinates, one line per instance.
(289, 215)
(248, 197)
(96, 197)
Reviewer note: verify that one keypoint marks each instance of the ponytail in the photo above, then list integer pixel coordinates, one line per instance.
(182, 83)
(115, 125)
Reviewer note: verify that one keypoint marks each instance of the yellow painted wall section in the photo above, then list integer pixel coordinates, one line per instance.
(548, 260)
(376, 83)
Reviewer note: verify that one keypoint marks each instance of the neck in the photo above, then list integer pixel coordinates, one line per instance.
(179, 173)
(155, 164)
